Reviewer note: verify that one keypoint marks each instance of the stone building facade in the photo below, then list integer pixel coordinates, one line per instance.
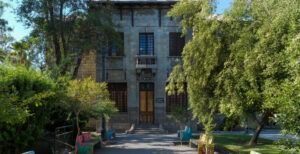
(137, 73)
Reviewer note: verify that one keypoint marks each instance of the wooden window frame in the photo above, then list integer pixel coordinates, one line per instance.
(118, 94)
(147, 36)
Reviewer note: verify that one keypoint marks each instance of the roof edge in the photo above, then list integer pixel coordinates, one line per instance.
(138, 2)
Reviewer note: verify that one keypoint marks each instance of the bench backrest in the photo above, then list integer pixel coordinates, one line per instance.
(86, 136)
(79, 139)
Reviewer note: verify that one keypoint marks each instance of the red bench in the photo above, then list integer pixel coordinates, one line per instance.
(85, 143)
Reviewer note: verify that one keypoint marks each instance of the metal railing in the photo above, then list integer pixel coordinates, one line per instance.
(146, 61)
(63, 139)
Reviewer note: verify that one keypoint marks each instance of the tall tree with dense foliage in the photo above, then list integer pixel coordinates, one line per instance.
(202, 59)
(242, 63)
(67, 29)
(27, 52)
(5, 38)
(25, 97)
(21, 88)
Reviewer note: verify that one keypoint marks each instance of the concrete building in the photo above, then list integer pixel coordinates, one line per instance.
(137, 73)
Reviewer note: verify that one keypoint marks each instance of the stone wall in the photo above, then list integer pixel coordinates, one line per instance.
(123, 69)
(88, 66)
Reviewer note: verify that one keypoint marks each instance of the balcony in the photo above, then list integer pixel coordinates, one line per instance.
(145, 62)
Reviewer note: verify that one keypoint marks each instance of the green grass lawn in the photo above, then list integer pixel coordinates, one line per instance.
(238, 144)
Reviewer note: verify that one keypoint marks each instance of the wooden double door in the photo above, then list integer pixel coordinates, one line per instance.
(146, 99)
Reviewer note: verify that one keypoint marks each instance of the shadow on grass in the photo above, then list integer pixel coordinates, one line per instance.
(237, 143)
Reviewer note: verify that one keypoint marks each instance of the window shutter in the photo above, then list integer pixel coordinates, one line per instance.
(118, 94)
(176, 44)
(116, 48)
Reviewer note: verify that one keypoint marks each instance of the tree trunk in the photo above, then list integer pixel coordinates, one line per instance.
(77, 66)
(255, 136)
(259, 127)
(77, 124)
(53, 32)
(62, 36)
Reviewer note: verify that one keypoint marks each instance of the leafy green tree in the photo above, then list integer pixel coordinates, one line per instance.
(90, 97)
(67, 29)
(181, 115)
(258, 74)
(26, 96)
(242, 63)
(202, 60)
(5, 38)
(21, 88)
(27, 52)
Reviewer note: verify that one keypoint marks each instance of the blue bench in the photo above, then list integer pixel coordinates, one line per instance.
(185, 135)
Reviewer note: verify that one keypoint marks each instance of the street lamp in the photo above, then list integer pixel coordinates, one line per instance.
(103, 50)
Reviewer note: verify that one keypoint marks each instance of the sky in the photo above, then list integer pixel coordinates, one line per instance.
(20, 31)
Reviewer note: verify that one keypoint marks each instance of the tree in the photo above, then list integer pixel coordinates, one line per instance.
(27, 52)
(88, 96)
(181, 115)
(241, 63)
(5, 38)
(255, 79)
(202, 60)
(67, 29)
(26, 96)
(21, 88)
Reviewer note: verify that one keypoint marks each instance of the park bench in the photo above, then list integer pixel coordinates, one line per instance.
(86, 142)
(185, 135)
(110, 134)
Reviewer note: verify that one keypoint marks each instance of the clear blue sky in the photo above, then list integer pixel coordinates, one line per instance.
(20, 31)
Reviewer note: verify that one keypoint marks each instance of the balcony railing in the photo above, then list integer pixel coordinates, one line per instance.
(145, 62)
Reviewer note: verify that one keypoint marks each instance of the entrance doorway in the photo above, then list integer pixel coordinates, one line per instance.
(146, 94)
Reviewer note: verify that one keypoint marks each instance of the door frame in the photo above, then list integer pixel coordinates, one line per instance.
(153, 102)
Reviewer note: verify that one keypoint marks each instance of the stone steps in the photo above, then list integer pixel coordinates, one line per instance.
(148, 130)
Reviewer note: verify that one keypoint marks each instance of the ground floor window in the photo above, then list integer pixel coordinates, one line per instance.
(177, 100)
(118, 94)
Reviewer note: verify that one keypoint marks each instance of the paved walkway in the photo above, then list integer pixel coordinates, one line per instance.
(146, 144)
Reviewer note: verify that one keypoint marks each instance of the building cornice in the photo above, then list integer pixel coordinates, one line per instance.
(136, 2)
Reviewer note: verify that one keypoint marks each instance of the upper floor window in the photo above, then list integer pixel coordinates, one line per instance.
(146, 41)
(117, 47)
(176, 44)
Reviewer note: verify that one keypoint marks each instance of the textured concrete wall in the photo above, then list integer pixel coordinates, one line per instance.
(146, 19)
